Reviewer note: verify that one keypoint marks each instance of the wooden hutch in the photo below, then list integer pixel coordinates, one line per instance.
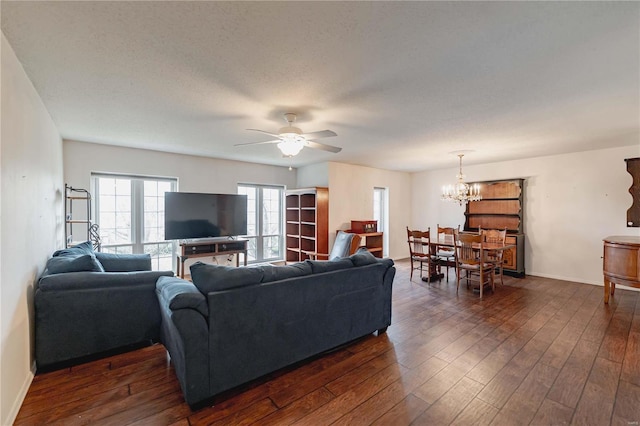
(501, 207)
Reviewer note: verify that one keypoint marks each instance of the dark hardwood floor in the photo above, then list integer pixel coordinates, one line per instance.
(538, 351)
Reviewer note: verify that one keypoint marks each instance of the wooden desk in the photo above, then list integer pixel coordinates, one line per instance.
(210, 248)
(621, 263)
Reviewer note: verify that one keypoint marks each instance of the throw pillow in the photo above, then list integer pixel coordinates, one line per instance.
(77, 250)
(277, 273)
(210, 278)
(363, 257)
(320, 266)
(63, 264)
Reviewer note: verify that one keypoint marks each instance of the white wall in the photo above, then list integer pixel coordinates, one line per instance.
(351, 198)
(572, 202)
(195, 174)
(31, 214)
(313, 175)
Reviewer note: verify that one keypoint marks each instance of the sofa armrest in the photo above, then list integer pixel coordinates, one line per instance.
(185, 334)
(176, 293)
(98, 280)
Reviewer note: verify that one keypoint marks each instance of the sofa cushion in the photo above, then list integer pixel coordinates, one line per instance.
(320, 266)
(77, 250)
(112, 262)
(210, 278)
(68, 263)
(363, 257)
(276, 273)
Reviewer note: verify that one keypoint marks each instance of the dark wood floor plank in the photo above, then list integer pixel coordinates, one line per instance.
(537, 351)
(285, 396)
(631, 363)
(64, 410)
(486, 370)
(298, 409)
(477, 413)
(598, 397)
(358, 375)
(574, 374)
(551, 413)
(525, 401)
(447, 408)
(344, 403)
(403, 413)
(627, 405)
(387, 398)
(250, 415)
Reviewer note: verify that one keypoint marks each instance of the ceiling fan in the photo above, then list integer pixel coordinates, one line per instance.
(291, 140)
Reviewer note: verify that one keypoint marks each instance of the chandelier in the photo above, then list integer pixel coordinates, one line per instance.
(461, 192)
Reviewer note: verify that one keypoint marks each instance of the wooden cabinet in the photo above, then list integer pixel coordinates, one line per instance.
(621, 263)
(306, 222)
(501, 207)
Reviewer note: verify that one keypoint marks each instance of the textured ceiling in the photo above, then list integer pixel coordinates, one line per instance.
(402, 83)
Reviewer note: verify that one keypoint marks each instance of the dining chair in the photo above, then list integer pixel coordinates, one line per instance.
(471, 258)
(420, 251)
(496, 236)
(446, 255)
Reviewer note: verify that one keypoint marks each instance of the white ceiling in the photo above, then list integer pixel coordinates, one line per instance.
(402, 83)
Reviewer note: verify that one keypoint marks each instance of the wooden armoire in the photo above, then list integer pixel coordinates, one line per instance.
(501, 207)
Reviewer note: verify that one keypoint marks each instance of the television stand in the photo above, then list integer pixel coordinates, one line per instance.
(209, 248)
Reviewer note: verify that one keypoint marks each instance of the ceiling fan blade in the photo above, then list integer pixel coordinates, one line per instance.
(264, 131)
(258, 143)
(324, 147)
(320, 134)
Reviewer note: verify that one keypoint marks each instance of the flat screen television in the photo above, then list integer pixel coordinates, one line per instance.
(195, 215)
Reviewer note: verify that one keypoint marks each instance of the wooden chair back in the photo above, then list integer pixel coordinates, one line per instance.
(466, 254)
(494, 235)
(419, 242)
(446, 232)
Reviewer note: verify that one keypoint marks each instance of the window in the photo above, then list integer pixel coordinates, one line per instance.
(130, 213)
(380, 213)
(264, 221)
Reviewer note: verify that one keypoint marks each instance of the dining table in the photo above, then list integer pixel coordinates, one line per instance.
(448, 241)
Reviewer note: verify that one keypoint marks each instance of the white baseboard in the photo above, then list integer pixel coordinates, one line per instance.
(15, 408)
(581, 281)
(563, 278)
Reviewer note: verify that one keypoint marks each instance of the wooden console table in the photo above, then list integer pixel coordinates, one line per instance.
(210, 248)
(621, 263)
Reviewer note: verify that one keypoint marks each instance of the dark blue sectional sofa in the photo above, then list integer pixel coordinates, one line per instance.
(87, 303)
(233, 325)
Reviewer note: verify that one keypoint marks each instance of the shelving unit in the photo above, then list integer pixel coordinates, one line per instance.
(501, 207)
(373, 241)
(90, 229)
(307, 223)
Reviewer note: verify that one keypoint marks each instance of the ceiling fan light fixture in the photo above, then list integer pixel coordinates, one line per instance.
(291, 144)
